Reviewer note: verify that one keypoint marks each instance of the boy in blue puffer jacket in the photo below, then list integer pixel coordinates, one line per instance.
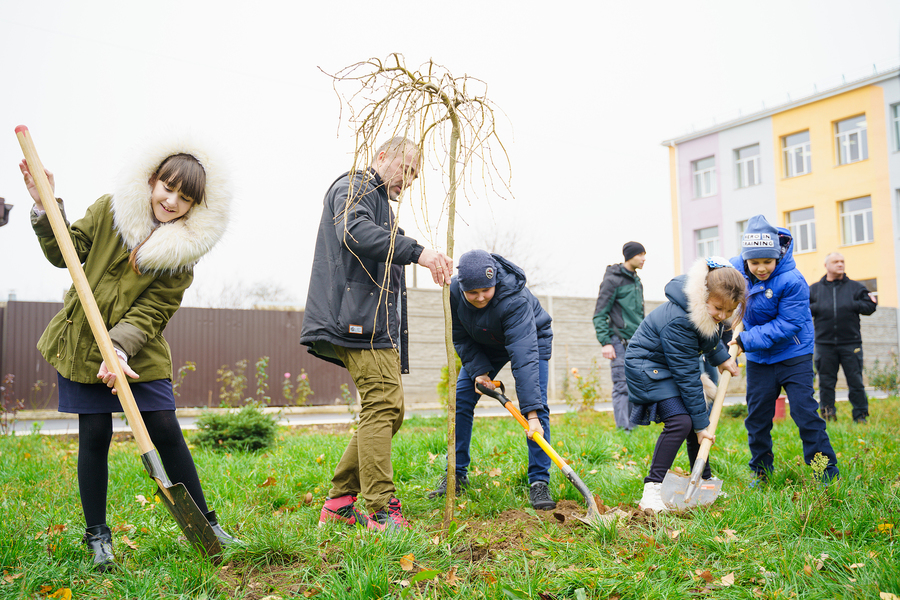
(778, 339)
(497, 320)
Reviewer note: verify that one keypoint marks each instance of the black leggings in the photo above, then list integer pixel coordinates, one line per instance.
(676, 430)
(94, 436)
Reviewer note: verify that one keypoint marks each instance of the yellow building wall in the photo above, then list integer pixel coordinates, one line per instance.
(676, 212)
(828, 184)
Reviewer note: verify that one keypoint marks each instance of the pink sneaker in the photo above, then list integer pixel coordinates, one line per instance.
(390, 517)
(343, 509)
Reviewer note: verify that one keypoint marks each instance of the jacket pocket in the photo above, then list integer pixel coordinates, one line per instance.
(364, 311)
(657, 373)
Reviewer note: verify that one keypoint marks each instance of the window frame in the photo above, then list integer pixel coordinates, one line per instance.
(895, 125)
(795, 228)
(706, 242)
(805, 151)
(741, 164)
(842, 146)
(699, 191)
(848, 217)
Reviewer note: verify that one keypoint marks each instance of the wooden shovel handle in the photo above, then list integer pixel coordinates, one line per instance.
(719, 401)
(85, 294)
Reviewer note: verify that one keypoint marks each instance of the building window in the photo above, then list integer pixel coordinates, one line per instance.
(856, 221)
(802, 225)
(797, 156)
(708, 242)
(871, 284)
(741, 228)
(704, 177)
(895, 125)
(850, 140)
(747, 166)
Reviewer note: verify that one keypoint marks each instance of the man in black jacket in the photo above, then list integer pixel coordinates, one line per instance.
(836, 301)
(355, 317)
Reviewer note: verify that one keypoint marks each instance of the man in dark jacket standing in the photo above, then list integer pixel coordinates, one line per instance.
(836, 301)
(356, 317)
(619, 311)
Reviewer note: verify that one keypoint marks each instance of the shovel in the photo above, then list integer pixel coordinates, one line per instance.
(681, 491)
(593, 516)
(175, 496)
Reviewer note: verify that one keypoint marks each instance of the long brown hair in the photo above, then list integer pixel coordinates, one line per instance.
(728, 284)
(177, 169)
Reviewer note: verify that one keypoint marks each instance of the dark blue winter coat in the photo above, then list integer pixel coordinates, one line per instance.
(777, 322)
(513, 328)
(662, 359)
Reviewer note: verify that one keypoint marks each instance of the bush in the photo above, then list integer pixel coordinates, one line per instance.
(247, 429)
(885, 378)
(735, 411)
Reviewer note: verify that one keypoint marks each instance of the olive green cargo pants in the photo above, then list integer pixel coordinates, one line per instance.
(365, 469)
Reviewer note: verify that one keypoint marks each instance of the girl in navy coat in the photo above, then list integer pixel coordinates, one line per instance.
(778, 339)
(497, 320)
(662, 369)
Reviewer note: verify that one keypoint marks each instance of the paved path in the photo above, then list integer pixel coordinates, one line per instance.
(67, 425)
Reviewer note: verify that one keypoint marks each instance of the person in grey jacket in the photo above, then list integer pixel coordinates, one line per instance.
(355, 317)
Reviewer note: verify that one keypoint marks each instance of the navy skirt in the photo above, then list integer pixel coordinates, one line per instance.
(658, 412)
(97, 398)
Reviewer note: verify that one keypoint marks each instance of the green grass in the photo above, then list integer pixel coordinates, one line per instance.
(793, 539)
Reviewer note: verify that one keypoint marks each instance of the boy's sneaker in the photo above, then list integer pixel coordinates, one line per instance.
(652, 498)
(540, 496)
(390, 517)
(343, 509)
(760, 480)
(441, 490)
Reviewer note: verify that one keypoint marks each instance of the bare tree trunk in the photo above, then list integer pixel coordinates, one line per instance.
(448, 339)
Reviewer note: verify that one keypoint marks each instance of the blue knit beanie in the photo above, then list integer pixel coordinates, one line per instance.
(477, 270)
(760, 240)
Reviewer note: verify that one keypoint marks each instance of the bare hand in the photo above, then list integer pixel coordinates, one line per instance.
(109, 377)
(733, 343)
(32, 186)
(873, 297)
(609, 351)
(534, 426)
(485, 381)
(704, 434)
(729, 365)
(440, 265)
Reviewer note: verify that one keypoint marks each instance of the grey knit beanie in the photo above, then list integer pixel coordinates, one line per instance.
(477, 270)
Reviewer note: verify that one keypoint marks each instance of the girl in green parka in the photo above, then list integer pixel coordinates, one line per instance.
(138, 246)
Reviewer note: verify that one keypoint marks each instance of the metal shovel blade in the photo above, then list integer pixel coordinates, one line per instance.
(183, 509)
(675, 487)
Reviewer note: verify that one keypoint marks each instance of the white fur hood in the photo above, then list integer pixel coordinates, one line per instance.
(182, 243)
(697, 294)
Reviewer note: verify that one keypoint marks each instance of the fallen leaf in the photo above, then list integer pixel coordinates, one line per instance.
(496, 483)
(888, 596)
(320, 458)
(704, 575)
(62, 594)
(451, 577)
(807, 569)
(436, 540)
(856, 565)
(406, 562)
(432, 457)
(308, 498)
(27, 455)
(593, 471)
(45, 589)
(129, 543)
(489, 577)
(631, 463)
(884, 527)
(11, 578)
(719, 538)
(140, 498)
(311, 592)
(729, 534)
(495, 472)
(674, 533)
(728, 580)
(269, 482)
(123, 527)
(463, 505)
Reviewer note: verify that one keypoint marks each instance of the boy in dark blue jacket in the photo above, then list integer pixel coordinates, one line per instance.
(778, 340)
(497, 320)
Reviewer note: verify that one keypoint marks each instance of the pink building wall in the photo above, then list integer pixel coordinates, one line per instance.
(697, 213)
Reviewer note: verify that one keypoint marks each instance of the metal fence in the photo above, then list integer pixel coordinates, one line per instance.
(210, 338)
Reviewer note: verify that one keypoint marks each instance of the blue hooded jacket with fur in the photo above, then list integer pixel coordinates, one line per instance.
(662, 359)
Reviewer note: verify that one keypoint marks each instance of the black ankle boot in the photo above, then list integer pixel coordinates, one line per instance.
(99, 540)
(224, 538)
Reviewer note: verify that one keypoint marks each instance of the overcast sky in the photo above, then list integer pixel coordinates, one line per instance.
(587, 90)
